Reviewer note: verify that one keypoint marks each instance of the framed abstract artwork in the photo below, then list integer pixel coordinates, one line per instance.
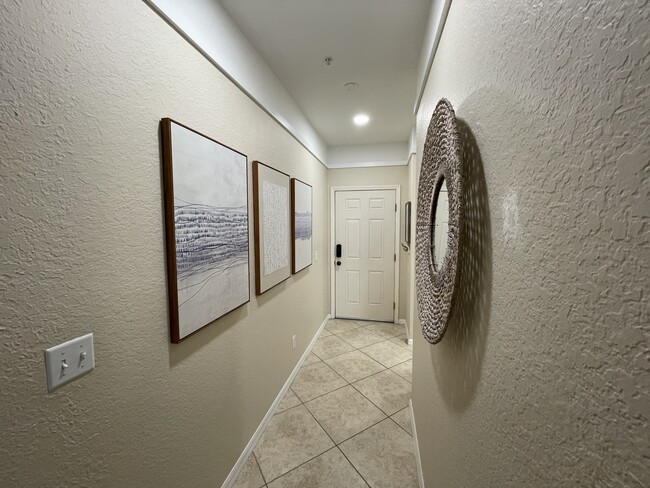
(272, 209)
(407, 224)
(301, 224)
(206, 226)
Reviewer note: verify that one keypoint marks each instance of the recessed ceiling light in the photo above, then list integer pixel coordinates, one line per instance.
(351, 86)
(361, 119)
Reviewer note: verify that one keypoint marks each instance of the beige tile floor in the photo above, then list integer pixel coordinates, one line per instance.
(345, 420)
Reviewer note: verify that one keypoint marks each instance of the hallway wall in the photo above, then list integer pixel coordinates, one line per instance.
(84, 85)
(381, 175)
(542, 377)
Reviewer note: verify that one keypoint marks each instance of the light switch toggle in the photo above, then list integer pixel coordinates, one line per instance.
(69, 360)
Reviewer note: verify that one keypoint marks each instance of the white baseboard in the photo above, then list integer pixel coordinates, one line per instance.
(409, 339)
(416, 447)
(232, 477)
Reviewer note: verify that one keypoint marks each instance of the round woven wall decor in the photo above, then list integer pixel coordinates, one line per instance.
(436, 285)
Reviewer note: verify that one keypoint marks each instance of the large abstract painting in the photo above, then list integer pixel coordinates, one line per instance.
(272, 226)
(206, 220)
(301, 224)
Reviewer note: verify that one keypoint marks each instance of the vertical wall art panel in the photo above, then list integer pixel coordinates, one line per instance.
(272, 221)
(206, 220)
(276, 227)
(301, 225)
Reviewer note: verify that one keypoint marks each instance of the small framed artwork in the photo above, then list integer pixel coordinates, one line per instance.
(272, 209)
(407, 223)
(301, 224)
(206, 227)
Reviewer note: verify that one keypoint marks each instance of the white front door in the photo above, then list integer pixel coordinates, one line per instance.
(365, 271)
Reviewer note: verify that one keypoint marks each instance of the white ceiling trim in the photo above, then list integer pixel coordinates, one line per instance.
(368, 164)
(368, 155)
(412, 142)
(435, 24)
(207, 26)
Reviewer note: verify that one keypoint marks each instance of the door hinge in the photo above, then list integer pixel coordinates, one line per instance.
(395, 257)
(395, 207)
(393, 305)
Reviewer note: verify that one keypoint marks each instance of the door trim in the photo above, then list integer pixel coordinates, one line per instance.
(332, 253)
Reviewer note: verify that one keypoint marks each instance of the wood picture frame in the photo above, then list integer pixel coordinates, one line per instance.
(302, 205)
(272, 220)
(205, 193)
(407, 224)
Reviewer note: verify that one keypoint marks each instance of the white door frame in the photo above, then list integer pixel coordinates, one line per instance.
(398, 226)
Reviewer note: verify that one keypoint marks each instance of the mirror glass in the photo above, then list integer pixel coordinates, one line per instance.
(441, 225)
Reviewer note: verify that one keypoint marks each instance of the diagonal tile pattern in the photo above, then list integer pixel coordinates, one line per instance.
(330, 346)
(336, 326)
(331, 469)
(345, 421)
(354, 365)
(360, 337)
(387, 353)
(405, 370)
(403, 418)
(383, 455)
(332, 411)
(290, 400)
(387, 331)
(388, 391)
(315, 380)
(250, 476)
(291, 438)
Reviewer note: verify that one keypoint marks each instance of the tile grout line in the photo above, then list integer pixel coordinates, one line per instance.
(391, 368)
(367, 376)
(321, 396)
(359, 348)
(303, 403)
(303, 463)
(386, 368)
(410, 359)
(383, 338)
(397, 423)
(371, 374)
(350, 384)
(367, 428)
(259, 467)
(364, 396)
(337, 445)
(316, 420)
(352, 464)
(363, 352)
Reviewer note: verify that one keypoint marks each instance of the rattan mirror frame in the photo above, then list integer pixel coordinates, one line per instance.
(442, 158)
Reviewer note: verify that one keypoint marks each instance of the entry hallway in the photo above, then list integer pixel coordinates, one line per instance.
(345, 421)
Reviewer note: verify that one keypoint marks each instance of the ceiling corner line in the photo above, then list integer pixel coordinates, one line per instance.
(431, 56)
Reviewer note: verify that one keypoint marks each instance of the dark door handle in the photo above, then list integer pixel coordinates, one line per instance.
(339, 250)
(338, 263)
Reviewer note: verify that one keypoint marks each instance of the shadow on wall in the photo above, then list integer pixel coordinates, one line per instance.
(459, 357)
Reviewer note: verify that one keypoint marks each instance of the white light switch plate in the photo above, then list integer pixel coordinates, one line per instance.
(69, 360)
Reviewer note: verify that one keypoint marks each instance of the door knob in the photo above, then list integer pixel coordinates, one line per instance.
(338, 263)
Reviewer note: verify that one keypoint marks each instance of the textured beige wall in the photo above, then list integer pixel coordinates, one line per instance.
(542, 379)
(382, 175)
(83, 86)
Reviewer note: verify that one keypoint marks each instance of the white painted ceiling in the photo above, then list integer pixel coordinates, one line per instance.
(375, 43)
